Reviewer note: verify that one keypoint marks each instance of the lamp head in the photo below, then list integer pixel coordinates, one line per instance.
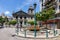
(35, 5)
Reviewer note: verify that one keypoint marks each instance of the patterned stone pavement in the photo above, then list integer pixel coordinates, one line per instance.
(6, 34)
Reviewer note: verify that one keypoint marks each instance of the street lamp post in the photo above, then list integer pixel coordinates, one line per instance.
(35, 19)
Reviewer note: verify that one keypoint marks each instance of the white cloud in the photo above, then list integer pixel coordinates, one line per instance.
(7, 12)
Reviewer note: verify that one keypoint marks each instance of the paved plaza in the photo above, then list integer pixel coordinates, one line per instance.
(6, 34)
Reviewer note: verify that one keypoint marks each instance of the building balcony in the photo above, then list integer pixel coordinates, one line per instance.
(51, 4)
(48, 7)
(48, 2)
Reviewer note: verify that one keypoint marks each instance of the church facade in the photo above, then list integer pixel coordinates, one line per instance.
(23, 17)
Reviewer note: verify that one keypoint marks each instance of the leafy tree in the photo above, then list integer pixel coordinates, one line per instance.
(6, 20)
(2, 20)
(45, 15)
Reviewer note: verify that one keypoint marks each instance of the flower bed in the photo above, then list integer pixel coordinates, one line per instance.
(32, 28)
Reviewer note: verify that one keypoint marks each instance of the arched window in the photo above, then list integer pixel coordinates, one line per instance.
(20, 17)
(24, 17)
(25, 22)
(31, 17)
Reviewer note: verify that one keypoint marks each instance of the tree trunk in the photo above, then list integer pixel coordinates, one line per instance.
(46, 24)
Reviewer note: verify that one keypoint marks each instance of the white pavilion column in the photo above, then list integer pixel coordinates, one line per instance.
(19, 21)
(23, 21)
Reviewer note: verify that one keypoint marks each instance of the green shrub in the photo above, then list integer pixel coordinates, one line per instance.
(32, 22)
(2, 20)
(12, 22)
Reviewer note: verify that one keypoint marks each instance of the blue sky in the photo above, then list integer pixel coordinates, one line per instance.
(8, 6)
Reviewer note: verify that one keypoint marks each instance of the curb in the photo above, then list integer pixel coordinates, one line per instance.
(35, 37)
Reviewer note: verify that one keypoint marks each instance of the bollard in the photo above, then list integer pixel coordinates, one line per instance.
(25, 33)
(35, 33)
(46, 34)
(17, 31)
(54, 33)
